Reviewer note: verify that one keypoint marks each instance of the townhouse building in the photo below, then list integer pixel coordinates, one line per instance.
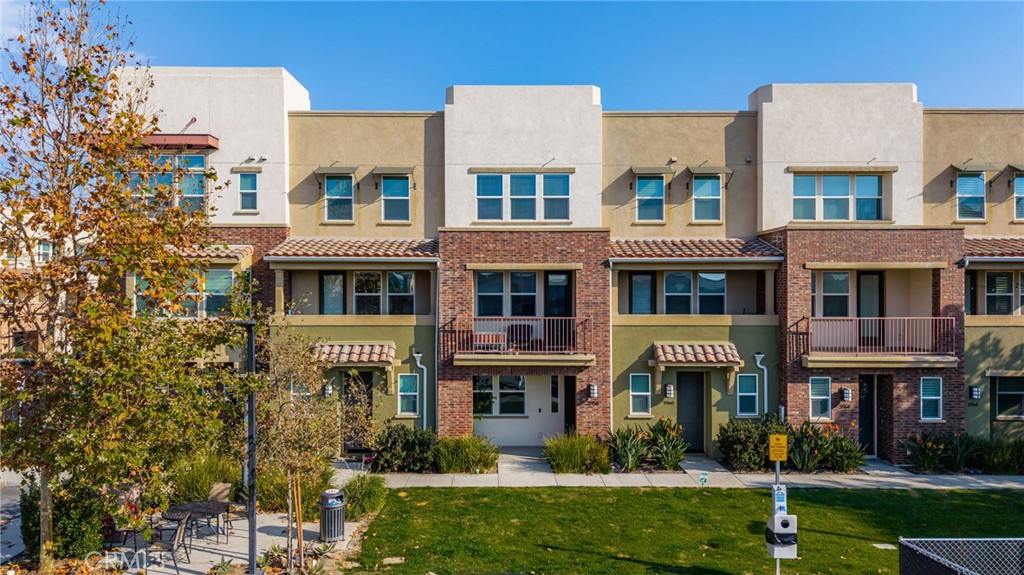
(525, 262)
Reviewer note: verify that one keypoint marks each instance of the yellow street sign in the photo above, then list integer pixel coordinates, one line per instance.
(777, 447)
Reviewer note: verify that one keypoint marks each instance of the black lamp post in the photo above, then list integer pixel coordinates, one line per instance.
(250, 428)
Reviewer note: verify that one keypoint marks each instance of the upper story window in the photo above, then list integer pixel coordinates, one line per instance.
(44, 251)
(373, 292)
(208, 298)
(650, 198)
(396, 198)
(190, 185)
(835, 294)
(678, 292)
(506, 294)
(520, 193)
(368, 293)
(837, 197)
(401, 293)
(707, 198)
(679, 295)
(1018, 196)
(338, 195)
(641, 293)
(999, 293)
(248, 190)
(332, 293)
(970, 196)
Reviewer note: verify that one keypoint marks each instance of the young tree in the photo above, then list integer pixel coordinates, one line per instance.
(83, 205)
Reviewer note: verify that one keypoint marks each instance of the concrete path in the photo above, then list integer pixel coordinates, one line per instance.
(10, 522)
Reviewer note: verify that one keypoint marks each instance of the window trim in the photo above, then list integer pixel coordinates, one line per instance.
(416, 394)
(741, 394)
(812, 397)
(544, 197)
(351, 198)
(665, 293)
(654, 292)
(1012, 295)
(648, 394)
(496, 393)
(984, 197)
(922, 399)
(848, 197)
(848, 294)
(720, 199)
(356, 294)
(851, 198)
(253, 192)
(531, 198)
(507, 294)
(880, 198)
(500, 197)
(384, 201)
(636, 198)
(386, 287)
(998, 414)
(724, 295)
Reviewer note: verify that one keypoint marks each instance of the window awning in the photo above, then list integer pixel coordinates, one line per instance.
(853, 169)
(652, 170)
(335, 170)
(720, 354)
(392, 171)
(709, 170)
(1017, 167)
(183, 141)
(977, 167)
(380, 354)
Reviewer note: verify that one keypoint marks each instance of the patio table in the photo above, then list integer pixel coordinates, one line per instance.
(197, 511)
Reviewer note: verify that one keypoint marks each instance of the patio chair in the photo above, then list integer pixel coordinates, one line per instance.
(220, 493)
(178, 542)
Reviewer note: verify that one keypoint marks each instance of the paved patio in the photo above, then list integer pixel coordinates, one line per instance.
(526, 467)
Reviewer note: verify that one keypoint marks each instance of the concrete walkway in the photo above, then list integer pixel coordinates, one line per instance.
(526, 467)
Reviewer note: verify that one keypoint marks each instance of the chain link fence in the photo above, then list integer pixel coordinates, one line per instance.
(961, 556)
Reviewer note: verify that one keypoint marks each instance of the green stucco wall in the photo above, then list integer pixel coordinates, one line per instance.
(632, 347)
(997, 347)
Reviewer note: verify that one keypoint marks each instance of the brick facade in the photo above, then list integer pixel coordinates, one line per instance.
(262, 239)
(898, 390)
(592, 299)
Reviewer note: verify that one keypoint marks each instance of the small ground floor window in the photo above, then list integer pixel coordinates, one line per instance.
(821, 398)
(1009, 392)
(640, 393)
(408, 394)
(501, 395)
(746, 394)
(931, 398)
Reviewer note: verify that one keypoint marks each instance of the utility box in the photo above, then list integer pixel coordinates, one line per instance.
(781, 536)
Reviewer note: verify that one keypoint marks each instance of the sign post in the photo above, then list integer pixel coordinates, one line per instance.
(778, 451)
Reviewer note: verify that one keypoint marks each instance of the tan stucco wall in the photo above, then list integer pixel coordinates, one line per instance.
(367, 140)
(694, 138)
(991, 343)
(974, 136)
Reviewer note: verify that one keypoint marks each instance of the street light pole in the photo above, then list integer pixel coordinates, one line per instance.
(250, 428)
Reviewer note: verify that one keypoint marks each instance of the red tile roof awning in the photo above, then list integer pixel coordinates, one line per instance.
(183, 141)
(381, 354)
(1006, 247)
(720, 354)
(220, 252)
(326, 248)
(695, 248)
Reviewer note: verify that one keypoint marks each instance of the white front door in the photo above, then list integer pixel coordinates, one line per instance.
(524, 410)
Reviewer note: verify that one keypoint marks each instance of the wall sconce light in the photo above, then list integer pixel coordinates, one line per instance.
(328, 390)
(592, 389)
(670, 390)
(975, 392)
(847, 394)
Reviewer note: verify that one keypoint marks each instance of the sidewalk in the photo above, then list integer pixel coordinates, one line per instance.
(526, 467)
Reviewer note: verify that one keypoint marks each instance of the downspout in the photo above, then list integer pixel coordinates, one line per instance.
(418, 356)
(437, 339)
(611, 344)
(758, 358)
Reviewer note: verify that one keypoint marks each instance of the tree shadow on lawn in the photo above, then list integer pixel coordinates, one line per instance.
(654, 567)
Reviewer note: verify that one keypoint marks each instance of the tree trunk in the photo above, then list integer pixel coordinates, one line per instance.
(298, 517)
(45, 524)
(290, 555)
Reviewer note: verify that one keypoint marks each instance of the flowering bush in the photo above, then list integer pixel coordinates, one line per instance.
(628, 447)
(925, 450)
(960, 448)
(809, 445)
(667, 445)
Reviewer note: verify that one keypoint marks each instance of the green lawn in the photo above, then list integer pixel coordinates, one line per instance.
(621, 531)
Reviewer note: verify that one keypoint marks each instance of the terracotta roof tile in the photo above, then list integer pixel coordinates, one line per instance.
(994, 247)
(220, 251)
(355, 352)
(354, 248)
(696, 353)
(693, 248)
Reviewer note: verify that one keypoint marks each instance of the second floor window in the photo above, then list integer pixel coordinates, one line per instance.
(999, 293)
(209, 298)
(1018, 196)
(192, 185)
(368, 293)
(650, 198)
(523, 200)
(707, 199)
(556, 196)
(835, 294)
(44, 252)
(525, 197)
(401, 293)
(338, 196)
(832, 195)
(970, 197)
(678, 292)
(501, 294)
(396, 198)
(248, 187)
(332, 293)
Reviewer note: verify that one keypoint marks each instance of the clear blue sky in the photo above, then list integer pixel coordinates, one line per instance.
(696, 56)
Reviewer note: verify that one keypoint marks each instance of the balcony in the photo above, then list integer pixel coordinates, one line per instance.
(551, 341)
(881, 342)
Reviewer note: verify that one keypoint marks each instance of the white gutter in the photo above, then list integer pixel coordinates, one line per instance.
(611, 349)
(437, 338)
(418, 356)
(992, 259)
(347, 260)
(756, 260)
(758, 358)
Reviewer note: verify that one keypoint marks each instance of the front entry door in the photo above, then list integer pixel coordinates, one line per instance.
(690, 407)
(867, 400)
(871, 304)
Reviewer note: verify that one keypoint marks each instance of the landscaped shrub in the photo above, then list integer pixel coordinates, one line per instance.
(77, 519)
(999, 457)
(469, 454)
(403, 448)
(628, 446)
(272, 489)
(844, 454)
(192, 477)
(808, 446)
(572, 453)
(667, 445)
(364, 494)
(925, 450)
(960, 449)
(744, 442)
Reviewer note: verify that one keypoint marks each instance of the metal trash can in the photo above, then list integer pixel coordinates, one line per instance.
(332, 516)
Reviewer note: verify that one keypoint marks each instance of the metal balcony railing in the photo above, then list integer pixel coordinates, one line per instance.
(882, 336)
(511, 335)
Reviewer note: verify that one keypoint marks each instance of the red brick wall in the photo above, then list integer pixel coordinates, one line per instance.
(592, 290)
(899, 400)
(261, 239)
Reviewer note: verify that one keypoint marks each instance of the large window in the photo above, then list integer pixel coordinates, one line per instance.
(368, 293)
(931, 398)
(192, 185)
(332, 293)
(501, 294)
(1009, 396)
(1018, 196)
(338, 195)
(711, 293)
(508, 398)
(408, 394)
(746, 394)
(517, 195)
(837, 197)
(523, 192)
(707, 198)
(835, 294)
(248, 190)
(970, 196)
(556, 196)
(821, 398)
(640, 393)
(650, 198)
(999, 293)
(401, 293)
(641, 293)
(396, 198)
(207, 298)
(678, 292)
(488, 197)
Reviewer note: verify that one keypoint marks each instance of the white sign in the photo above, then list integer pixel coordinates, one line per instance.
(779, 504)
